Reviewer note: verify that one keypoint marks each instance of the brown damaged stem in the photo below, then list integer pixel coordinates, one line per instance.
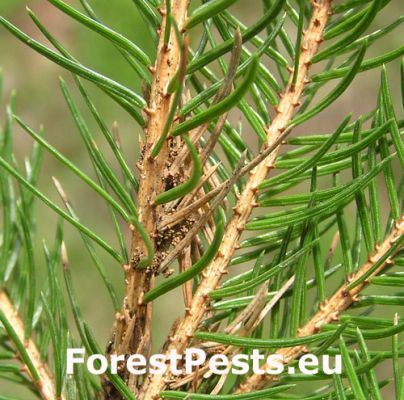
(45, 384)
(330, 310)
(290, 99)
(137, 339)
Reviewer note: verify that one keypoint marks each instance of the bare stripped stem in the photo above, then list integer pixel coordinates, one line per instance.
(290, 100)
(152, 172)
(330, 310)
(44, 380)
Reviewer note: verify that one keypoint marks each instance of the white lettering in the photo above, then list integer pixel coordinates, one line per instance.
(326, 365)
(102, 361)
(71, 359)
(219, 360)
(136, 360)
(308, 360)
(191, 361)
(240, 364)
(275, 364)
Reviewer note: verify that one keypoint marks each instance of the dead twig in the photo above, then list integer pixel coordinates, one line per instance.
(224, 91)
(204, 219)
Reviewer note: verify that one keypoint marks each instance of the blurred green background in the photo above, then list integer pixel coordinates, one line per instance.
(39, 101)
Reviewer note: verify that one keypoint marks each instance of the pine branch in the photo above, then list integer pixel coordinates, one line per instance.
(152, 170)
(330, 310)
(290, 100)
(199, 181)
(26, 350)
